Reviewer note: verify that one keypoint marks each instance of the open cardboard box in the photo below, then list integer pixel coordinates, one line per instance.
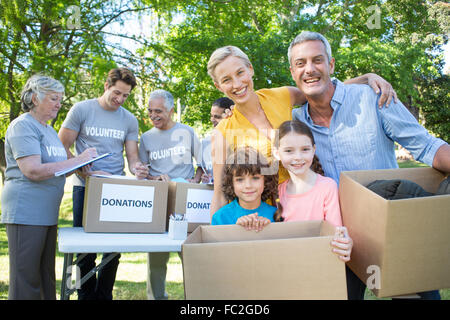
(400, 246)
(191, 199)
(287, 260)
(125, 205)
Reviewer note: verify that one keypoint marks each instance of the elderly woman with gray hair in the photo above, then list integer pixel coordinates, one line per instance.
(32, 193)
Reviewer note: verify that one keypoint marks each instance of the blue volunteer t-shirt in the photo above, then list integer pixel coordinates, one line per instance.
(231, 212)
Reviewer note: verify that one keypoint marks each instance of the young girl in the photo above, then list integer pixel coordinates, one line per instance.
(307, 195)
(247, 188)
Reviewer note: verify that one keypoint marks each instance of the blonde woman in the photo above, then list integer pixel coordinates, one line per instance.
(256, 113)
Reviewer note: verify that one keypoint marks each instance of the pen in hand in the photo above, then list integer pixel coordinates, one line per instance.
(84, 142)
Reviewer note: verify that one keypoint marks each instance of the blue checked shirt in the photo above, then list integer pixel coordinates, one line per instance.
(361, 136)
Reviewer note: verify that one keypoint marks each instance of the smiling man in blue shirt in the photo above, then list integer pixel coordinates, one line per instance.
(350, 132)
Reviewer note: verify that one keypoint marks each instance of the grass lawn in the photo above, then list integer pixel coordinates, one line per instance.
(131, 276)
(410, 164)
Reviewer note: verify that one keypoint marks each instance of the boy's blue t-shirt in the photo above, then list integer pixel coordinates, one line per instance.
(231, 212)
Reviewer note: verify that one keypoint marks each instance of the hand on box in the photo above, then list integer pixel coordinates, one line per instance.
(163, 177)
(342, 244)
(140, 171)
(253, 222)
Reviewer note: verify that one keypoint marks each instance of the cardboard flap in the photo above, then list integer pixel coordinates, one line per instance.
(327, 229)
(276, 230)
(194, 237)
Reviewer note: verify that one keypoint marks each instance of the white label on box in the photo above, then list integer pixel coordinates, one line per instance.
(198, 202)
(125, 203)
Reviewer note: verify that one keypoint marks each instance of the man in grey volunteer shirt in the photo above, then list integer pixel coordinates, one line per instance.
(104, 124)
(169, 148)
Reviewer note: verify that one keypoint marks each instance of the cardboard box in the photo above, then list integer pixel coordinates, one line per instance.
(192, 199)
(125, 205)
(400, 246)
(287, 260)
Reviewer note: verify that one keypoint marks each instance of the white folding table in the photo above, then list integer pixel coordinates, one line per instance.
(74, 240)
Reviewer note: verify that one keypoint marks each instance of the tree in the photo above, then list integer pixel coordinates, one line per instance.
(67, 40)
(399, 40)
(434, 102)
(73, 41)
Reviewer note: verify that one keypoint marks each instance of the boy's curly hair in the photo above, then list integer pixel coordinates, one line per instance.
(246, 160)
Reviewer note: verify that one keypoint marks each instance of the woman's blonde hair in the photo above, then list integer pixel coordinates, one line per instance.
(219, 55)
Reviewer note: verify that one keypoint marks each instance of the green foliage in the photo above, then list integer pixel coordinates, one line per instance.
(405, 48)
(435, 105)
(43, 37)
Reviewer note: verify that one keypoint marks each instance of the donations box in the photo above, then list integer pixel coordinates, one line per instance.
(400, 246)
(191, 199)
(286, 260)
(126, 205)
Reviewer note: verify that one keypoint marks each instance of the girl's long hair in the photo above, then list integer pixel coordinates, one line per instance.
(301, 128)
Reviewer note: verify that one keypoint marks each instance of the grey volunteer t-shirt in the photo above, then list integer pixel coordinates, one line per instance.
(25, 201)
(104, 130)
(170, 151)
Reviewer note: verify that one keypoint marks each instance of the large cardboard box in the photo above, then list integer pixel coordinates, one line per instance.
(287, 260)
(400, 246)
(125, 205)
(191, 199)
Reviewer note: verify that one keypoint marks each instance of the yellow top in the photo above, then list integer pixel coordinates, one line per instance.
(238, 131)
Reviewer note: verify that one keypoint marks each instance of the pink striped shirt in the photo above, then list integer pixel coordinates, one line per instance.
(319, 203)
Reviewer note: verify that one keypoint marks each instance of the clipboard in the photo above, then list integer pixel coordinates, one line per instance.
(63, 172)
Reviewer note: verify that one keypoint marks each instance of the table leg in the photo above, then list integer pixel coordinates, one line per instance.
(98, 267)
(67, 290)
(67, 287)
(68, 257)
